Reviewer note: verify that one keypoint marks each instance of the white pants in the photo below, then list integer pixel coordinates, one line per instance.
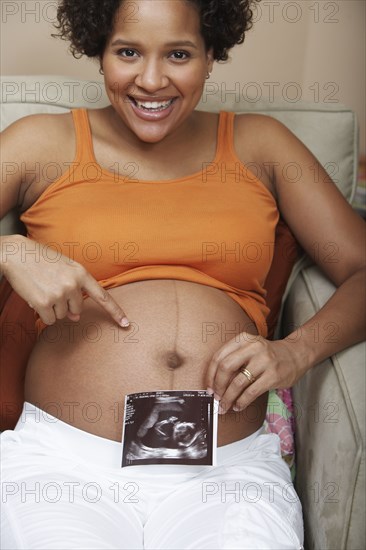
(63, 488)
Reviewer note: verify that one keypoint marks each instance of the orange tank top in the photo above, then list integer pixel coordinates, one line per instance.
(215, 227)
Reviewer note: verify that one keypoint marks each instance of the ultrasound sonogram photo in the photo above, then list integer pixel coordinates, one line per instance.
(162, 428)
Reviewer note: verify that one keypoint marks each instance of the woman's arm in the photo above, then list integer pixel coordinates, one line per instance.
(52, 285)
(333, 235)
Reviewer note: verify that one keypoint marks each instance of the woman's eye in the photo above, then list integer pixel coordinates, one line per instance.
(126, 52)
(180, 55)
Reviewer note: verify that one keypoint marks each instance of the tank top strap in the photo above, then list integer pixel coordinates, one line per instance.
(225, 138)
(84, 142)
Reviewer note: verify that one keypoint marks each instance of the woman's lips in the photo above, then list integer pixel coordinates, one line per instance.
(144, 114)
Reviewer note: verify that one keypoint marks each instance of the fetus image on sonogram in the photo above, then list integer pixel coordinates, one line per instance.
(168, 432)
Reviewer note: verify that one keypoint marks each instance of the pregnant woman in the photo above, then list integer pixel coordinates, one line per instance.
(136, 262)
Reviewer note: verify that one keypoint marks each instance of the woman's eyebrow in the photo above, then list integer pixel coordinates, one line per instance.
(175, 43)
(182, 43)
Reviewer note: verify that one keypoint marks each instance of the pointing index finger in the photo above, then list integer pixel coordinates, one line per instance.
(105, 300)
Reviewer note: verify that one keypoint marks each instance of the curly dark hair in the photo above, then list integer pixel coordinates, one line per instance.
(86, 24)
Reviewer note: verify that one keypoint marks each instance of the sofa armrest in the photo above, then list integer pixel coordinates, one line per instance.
(329, 406)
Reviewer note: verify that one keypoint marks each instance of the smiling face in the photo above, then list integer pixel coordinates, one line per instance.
(155, 65)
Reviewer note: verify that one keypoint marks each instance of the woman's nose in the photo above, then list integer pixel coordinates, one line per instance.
(152, 76)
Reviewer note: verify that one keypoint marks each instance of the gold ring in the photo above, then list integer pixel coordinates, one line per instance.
(248, 374)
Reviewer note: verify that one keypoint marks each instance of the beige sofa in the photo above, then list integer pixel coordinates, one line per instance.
(329, 400)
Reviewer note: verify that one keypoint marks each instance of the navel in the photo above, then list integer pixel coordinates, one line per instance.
(174, 360)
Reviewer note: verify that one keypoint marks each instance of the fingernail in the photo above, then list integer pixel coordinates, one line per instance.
(124, 322)
(236, 408)
(221, 409)
(210, 391)
(217, 397)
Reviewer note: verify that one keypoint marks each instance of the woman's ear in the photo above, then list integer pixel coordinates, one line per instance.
(100, 61)
(210, 60)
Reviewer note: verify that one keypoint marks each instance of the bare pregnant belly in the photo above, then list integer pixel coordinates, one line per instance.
(81, 372)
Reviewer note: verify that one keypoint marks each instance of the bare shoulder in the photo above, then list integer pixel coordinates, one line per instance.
(260, 129)
(39, 121)
(38, 134)
(28, 146)
(272, 140)
(253, 135)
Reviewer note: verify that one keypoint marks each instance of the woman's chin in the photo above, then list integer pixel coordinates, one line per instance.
(149, 134)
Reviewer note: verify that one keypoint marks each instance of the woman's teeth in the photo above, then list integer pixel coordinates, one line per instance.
(153, 105)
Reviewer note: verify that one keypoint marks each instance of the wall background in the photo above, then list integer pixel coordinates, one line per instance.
(304, 49)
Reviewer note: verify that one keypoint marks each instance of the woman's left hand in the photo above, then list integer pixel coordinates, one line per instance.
(249, 365)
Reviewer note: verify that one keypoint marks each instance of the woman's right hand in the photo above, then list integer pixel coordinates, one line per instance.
(51, 283)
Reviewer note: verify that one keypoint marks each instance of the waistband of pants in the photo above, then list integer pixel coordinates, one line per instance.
(98, 450)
